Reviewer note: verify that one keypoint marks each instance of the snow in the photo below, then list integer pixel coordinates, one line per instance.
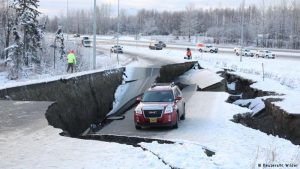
(208, 124)
(256, 105)
(231, 86)
(46, 149)
(203, 78)
(181, 155)
(280, 75)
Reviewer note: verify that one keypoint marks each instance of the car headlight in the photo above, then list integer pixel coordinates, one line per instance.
(169, 109)
(138, 111)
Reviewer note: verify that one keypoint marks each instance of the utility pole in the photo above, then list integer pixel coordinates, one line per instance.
(242, 32)
(67, 23)
(94, 36)
(118, 30)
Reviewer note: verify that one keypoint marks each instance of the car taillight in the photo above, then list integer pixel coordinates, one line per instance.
(169, 109)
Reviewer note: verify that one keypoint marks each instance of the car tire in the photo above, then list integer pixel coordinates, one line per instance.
(138, 127)
(237, 54)
(176, 124)
(183, 114)
(200, 50)
(211, 51)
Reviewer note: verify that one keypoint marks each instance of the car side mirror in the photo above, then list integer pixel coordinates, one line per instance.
(178, 98)
(139, 99)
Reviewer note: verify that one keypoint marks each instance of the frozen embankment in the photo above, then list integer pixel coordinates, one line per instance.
(264, 113)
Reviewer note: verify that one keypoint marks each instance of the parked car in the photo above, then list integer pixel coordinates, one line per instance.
(244, 52)
(76, 35)
(265, 54)
(116, 49)
(160, 105)
(86, 42)
(235, 49)
(207, 48)
(155, 46)
(162, 44)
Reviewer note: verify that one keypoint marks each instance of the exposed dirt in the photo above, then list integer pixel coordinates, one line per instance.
(272, 119)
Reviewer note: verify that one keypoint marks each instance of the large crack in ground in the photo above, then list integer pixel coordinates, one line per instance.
(135, 142)
(271, 119)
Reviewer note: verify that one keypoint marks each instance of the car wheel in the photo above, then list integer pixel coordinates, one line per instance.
(183, 114)
(176, 124)
(138, 127)
(211, 51)
(200, 50)
(237, 54)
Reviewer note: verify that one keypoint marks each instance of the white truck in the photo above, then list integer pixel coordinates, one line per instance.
(207, 48)
(244, 52)
(265, 54)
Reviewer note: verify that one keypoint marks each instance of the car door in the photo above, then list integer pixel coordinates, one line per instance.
(179, 102)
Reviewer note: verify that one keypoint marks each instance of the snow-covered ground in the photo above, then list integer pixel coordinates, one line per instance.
(236, 146)
(46, 149)
(207, 125)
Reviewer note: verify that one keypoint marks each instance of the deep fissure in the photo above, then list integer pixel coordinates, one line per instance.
(272, 119)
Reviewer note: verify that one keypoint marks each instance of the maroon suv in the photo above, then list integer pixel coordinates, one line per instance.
(161, 105)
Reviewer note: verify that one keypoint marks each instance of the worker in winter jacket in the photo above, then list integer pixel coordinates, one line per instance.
(189, 53)
(71, 58)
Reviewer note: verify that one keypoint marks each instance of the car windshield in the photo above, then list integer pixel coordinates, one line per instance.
(158, 96)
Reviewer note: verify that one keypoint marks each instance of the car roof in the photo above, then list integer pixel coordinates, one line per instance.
(160, 88)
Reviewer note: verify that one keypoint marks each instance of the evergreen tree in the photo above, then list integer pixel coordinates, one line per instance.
(14, 56)
(27, 15)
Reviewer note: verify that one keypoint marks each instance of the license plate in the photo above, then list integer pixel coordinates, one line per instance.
(153, 120)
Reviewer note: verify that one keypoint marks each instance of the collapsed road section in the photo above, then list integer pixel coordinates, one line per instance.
(85, 98)
(79, 99)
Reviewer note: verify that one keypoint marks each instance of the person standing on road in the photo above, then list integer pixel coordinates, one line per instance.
(71, 58)
(189, 53)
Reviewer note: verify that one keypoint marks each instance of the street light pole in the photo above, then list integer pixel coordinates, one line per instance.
(94, 36)
(118, 29)
(67, 23)
(242, 32)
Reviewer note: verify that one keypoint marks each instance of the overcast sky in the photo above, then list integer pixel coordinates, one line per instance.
(58, 7)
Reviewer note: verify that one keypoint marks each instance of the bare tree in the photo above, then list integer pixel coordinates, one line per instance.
(189, 21)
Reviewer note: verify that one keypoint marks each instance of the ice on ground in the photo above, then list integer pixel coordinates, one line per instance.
(203, 78)
(231, 86)
(46, 149)
(256, 105)
(181, 155)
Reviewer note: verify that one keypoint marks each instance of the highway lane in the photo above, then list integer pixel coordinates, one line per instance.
(204, 78)
(280, 53)
(126, 127)
(22, 117)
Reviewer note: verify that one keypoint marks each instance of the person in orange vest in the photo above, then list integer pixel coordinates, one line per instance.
(189, 53)
(71, 58)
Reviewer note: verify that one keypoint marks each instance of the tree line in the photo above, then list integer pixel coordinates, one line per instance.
(21, 34)
(275, 26)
